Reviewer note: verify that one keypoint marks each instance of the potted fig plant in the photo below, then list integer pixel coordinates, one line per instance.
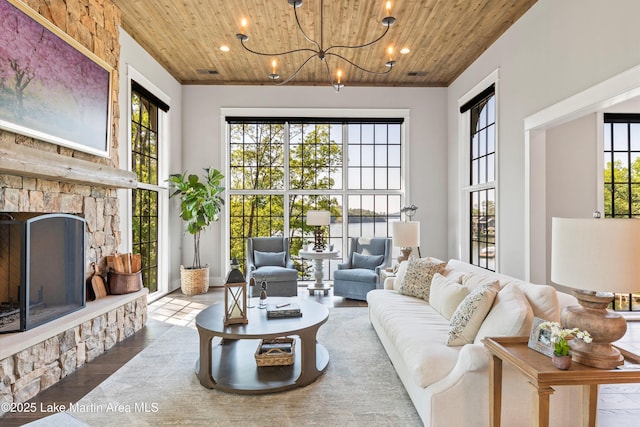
(200, 205)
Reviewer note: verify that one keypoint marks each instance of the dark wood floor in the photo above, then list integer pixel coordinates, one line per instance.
(74, 387)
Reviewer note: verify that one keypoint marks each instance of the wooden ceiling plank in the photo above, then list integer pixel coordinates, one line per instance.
(445, 37)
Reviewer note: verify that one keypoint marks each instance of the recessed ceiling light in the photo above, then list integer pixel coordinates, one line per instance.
(405, 50)
(224, 48)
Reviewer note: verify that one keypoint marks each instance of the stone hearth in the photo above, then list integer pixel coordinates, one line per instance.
(34, 360)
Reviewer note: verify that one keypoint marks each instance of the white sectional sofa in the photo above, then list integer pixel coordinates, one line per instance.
(449, 384)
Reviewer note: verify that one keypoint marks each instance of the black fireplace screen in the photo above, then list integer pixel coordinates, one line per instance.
(42, 273)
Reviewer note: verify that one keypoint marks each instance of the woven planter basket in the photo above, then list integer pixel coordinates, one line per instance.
(194, 281)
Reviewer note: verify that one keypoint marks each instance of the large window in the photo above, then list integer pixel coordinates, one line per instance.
(280, 169)
(622, 179)
(145, 224)
(482, 180)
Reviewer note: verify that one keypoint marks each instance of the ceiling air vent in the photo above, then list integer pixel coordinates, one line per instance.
(207, 71)
(417, 73)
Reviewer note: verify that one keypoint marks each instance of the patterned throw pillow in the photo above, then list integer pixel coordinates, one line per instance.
(417, 280)
(470, 314)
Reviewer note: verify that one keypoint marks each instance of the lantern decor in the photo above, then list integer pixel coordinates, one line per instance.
(235, 296)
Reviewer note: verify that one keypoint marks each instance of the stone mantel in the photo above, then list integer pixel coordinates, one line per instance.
(27, 161)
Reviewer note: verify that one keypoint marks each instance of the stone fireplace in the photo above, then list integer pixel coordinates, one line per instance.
(38, 177)
(41, 268)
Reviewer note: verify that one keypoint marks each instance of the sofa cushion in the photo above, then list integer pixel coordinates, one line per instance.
(275, 274)
(510, 316)
(356, 275)
(417, 279)
(417, 331)
(446, 295)
(476, 280)
(269, 258)
(402, 271)
(543, 299)
(470, 314)
(366, 261)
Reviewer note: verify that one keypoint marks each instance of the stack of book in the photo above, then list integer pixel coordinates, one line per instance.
(277, 311)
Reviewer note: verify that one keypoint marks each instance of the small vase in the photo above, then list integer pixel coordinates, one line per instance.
(561, 362)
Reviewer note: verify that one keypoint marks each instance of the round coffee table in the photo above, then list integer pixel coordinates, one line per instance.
(230, 365)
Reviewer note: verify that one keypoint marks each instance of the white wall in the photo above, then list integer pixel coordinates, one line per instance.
(557, 49)
(204, 145)
(169, 90)
(571, 181)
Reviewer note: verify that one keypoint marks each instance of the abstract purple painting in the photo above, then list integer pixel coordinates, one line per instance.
(51, 88)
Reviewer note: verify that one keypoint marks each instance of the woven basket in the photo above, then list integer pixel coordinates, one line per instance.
(194, 281)
(274, 356)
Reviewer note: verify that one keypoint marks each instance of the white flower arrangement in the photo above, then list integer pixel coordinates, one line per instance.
(560, 336)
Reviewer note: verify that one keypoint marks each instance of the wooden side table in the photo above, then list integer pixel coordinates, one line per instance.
(543, 375)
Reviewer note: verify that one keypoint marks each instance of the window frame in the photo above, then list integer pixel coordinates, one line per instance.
(319, 115)
(162, 185)
(627, 119)
(464, 170)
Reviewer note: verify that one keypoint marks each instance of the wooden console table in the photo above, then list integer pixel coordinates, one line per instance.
(543, 375)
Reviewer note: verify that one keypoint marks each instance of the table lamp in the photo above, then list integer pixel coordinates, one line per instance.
(406, 235)
(596, 257)
(318, 219)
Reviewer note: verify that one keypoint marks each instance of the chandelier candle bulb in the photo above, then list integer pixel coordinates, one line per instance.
(243, 26)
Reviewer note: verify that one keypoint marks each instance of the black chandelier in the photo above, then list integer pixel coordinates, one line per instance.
(320, 51)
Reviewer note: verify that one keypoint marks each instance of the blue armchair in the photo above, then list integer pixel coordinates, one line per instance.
(268, 258)
(360, 272)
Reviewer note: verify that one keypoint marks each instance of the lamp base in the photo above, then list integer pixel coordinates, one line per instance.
(604, 326)
(318, 244)
(405, 254)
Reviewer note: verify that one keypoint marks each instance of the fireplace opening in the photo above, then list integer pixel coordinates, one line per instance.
(42, 268)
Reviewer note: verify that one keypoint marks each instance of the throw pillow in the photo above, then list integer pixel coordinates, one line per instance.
(510, 316)
(470, 314)
(417, 279)
(402, 271)
(269, 258)
(370, 262)
(446, 295)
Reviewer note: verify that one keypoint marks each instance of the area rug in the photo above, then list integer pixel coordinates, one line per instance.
(159, 387)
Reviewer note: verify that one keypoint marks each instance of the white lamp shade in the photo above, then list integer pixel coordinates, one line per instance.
(318, 218)
(406, 234)
(596, 254)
